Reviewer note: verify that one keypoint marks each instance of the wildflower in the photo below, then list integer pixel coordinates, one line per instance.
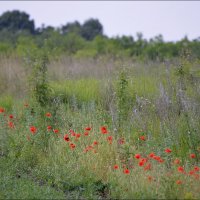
(142, 138)
(168, 150)
(126, 171)
(144, 160)
(49, 128)
(147, 167)
(66, 138)
(109, 138)
(196, 168)
(191, 172)
(72, 145)
(160, 160)
(86, 133)
(56, 131)
(178, 182)
(104, 130)
(95, 143)
(192, 155)
(137, 156)
(73, 134)
(48, 114)
(88, 128)
(141, 163)
(116, 167)
(71, 131)
(11, 116)
(90, 147)
(11, 124)
(181, 169)
(151, 155)
(177, 161)
(78, 135)
(156, 157)
(2, 110)
(33, 129)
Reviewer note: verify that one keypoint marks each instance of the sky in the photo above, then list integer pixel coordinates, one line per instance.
(173, 19)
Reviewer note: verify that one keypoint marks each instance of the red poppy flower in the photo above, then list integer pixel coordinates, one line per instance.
(181, 169)
(11, 116)
(160, 160)
(141, 163)
(86, 133)
(78, 135)
(48, 114)
(109, 138)
(88, 128)
(177, 161)
(95, 143)
(33, 129)
(191, 172)
(49, 128)
(56, 131)
(71, 131)
(126, 171)
(192, 155)
(156, 158)
(2, 110)
(178, 182)
(66, 138)
(104, 130)
(168, 150)
(151, 155)
(147, 167)
(116, 167)
(137, 156)
(144, 160)
(196, 168)
(142, 138)
(11, 124)
(72, 146)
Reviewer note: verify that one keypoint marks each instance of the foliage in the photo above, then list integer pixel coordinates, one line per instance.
(16, 21)
(91, 28)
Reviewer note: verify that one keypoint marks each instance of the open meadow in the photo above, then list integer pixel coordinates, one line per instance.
(99, 129)
(89, 115)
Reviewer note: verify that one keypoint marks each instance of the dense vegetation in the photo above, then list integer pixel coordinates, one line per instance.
(84, 116)
(18, 31)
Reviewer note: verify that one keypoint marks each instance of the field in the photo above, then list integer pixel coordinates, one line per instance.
(99, 128)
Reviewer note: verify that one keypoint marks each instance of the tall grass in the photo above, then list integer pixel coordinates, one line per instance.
(156, 101)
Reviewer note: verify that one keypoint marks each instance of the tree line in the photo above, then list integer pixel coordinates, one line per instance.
(18, 34)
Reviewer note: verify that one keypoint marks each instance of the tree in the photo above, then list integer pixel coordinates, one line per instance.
(91, 28)
(16, 21)
(74, 27)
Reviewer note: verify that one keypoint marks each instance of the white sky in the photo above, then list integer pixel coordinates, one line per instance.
(172, 19)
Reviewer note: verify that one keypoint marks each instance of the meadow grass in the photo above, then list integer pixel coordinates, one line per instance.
(149, 109)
